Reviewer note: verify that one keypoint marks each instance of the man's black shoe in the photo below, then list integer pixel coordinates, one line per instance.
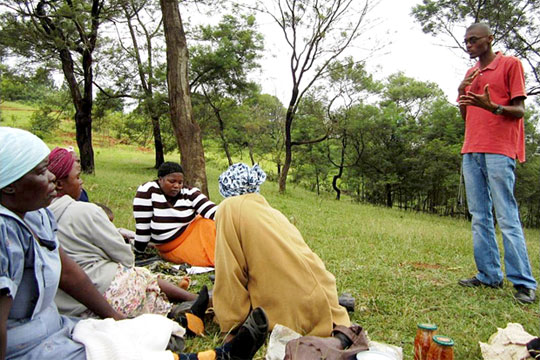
(473, 282)
(525, 295)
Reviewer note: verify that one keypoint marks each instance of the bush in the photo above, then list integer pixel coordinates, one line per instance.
(44, 121)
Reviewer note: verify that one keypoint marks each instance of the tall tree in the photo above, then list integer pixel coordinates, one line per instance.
(66, 32)
(515, 25)
(349, 84)
(221, 61)
(263, 131)
(144, 31)
(316, 33)
(186, 129)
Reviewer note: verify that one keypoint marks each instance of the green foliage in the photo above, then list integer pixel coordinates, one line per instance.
(224, 56)
(221, 61)
(104, 104)
(19, 86)
(44, 121)
(135, 129)
(515, 25)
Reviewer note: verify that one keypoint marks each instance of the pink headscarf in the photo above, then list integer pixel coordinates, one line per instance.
(60, 162)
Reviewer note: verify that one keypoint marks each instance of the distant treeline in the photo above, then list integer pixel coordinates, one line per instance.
(401, 149)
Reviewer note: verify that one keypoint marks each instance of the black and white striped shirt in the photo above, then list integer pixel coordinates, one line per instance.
(160, 221)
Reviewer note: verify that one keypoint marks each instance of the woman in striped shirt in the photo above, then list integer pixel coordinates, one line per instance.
(177, 219)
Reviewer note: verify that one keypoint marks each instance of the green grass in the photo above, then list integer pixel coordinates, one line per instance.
(16, 114)
(401, 267)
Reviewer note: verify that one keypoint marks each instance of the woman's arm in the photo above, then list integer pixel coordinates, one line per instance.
(142, 212)
(5, 307)
(75, 282)
(201, 204)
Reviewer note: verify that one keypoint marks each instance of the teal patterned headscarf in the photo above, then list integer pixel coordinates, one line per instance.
(240, 179)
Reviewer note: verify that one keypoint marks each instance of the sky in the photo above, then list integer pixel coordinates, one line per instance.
(418, 55)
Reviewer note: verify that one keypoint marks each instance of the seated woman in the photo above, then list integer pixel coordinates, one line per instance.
(262, 260)
(32, 266)
(91, 239)
(177, 219)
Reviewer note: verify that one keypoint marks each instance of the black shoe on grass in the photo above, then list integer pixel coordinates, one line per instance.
(474, 282)
(525, 295)
(250, 336)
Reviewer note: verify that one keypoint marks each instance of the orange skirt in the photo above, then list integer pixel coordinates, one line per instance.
(195, 246)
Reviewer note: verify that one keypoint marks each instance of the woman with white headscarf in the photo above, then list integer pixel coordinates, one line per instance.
(262, 260)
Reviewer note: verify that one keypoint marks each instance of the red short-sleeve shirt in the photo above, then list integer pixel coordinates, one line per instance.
(486, 132)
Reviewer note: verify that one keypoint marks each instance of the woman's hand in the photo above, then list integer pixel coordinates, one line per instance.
(5, 307)
(75, 282)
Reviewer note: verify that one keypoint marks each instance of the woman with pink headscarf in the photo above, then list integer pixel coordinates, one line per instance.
(91, 239)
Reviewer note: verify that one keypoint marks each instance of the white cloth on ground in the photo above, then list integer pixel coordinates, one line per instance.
(507, 344)
(141, 338)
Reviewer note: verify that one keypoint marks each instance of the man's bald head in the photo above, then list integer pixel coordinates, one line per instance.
(480, 28)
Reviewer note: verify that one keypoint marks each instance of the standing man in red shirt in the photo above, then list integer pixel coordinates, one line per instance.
(491, 101)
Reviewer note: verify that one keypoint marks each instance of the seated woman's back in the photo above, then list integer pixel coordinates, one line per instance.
(89, 238)
(262, 260)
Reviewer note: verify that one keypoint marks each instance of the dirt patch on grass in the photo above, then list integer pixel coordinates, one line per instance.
(15, 109)
(419, 265)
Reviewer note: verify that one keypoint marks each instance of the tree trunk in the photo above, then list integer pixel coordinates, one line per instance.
(186, 130)
(226, 147)
(83, 133)
(222, 135)
(158, 143)
(288, 141)
(147, 86)
(81, 102)
(334, 183)
(341, 165)
(251, 156)
(388, 189)
(83, 107)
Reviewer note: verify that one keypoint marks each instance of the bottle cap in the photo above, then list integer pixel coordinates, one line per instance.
(443, 340)
(426, 326)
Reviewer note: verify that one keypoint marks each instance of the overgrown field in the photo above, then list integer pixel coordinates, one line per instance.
(401, 267)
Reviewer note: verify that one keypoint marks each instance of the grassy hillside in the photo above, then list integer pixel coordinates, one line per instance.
(15, 114)
(401, 267)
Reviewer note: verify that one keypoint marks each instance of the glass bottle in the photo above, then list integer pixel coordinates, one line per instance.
(423, 339)
(441, 348)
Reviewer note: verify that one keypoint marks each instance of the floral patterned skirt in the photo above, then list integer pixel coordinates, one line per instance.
(135, 291)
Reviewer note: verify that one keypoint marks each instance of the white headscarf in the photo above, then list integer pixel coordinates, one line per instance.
(20, 152)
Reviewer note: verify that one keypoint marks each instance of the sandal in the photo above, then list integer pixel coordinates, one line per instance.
(250, 336)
